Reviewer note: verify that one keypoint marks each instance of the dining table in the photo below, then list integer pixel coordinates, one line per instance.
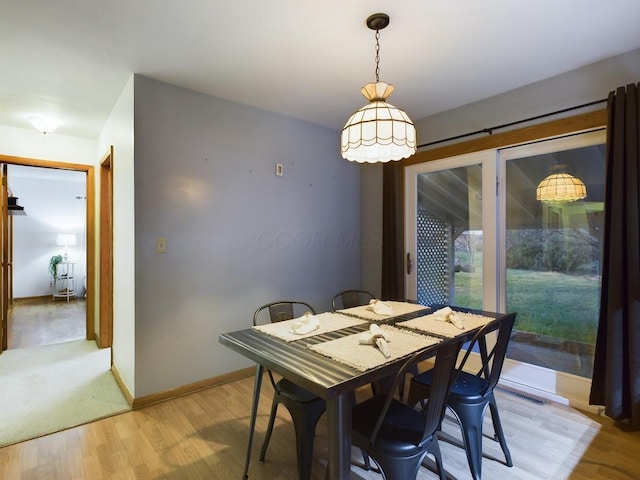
(330, 362)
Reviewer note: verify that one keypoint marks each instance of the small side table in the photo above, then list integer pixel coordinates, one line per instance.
(64, 283)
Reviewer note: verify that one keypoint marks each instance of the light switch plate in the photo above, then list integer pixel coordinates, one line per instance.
(279, 169)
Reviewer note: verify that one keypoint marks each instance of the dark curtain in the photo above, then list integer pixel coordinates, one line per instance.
(392, 232)
(616, 370)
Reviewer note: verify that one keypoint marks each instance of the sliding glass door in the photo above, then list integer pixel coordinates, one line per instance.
(553, 249)
(448, 230)
(480, 237)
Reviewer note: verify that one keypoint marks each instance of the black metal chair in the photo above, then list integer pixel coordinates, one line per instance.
(304, 407)
(471, 393)
(397, 436)
(350, 299)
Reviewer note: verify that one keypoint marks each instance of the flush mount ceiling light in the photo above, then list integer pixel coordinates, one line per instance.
(560, 187)
(44, 124)
(378, 132)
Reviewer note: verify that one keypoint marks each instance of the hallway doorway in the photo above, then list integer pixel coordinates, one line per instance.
(46, 256)
(58, 200)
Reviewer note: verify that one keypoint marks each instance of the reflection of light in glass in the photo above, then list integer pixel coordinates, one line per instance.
(560, 187)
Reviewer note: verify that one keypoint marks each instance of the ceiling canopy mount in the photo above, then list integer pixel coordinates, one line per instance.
(378, 21)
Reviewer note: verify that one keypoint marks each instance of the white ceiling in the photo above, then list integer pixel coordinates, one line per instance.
(302, 58)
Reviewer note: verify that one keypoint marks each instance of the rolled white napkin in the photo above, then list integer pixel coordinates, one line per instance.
(383, 346)
(379, 307)
(447, 315)
(376, 337)
(305, 324)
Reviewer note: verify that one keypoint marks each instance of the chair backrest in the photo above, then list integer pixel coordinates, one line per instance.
(281, 310)
(350, 299)
(278, 312)
(491, 360)
(443, 376)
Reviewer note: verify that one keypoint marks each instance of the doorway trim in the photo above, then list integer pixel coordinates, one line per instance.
(105, 332)
(90, 221)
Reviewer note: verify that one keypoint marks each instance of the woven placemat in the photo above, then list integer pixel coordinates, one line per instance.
(348, 351)
(430, 324)
(329, 322)
(399, 308)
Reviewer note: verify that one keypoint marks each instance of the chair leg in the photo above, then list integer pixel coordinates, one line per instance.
(499, 433)
(272, 419)
(413, 370)
(391, 469)
(437, 455)
(365, 457)
(418, 391)
(470, 418)
(367, 461)
(305, 427)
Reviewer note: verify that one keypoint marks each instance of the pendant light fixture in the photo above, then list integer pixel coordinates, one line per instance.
(378, 132)
(560, 187)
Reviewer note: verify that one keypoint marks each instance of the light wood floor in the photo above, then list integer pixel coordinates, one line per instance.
(41, 321)
(203, 436)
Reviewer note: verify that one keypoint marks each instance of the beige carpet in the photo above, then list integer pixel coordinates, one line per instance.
(53, 387)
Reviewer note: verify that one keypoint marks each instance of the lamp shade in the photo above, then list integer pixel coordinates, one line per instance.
(44, 124)
(66, 239)
(560, 187)
(378, 132)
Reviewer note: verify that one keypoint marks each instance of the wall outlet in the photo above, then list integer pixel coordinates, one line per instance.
(161, 245)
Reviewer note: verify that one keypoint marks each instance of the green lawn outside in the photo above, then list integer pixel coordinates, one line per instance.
(549, 303)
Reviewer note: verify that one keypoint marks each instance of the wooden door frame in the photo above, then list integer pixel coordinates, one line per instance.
(90, 224)
(105, 334)
(5, 259)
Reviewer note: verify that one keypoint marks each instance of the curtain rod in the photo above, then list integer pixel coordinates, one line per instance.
(505, 125)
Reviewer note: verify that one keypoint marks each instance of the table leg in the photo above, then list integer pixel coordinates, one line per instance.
(254, 413)
(339, 430)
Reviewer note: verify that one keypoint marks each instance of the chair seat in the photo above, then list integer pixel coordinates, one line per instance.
(401, 431)
(466, 385)
(469, 386)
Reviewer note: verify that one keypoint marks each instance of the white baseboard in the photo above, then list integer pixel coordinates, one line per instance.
(545, 384)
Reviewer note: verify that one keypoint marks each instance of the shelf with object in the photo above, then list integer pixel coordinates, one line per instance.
(64, 281)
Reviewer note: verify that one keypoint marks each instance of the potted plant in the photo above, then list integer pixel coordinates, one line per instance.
(53, 266)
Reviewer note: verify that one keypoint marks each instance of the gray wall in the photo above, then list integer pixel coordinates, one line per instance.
(577, 87)
(237, 235)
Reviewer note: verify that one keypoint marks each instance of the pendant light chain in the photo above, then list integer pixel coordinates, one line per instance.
(377, 56)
